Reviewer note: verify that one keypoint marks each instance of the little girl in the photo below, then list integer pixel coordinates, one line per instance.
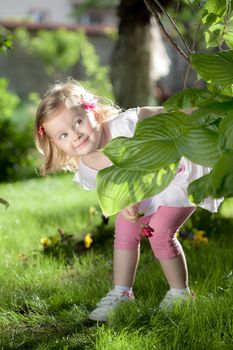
(72, 127)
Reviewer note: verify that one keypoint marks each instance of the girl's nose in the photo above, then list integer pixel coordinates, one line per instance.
(76, 135)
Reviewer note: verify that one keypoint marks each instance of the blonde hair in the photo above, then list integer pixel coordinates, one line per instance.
(68, 94)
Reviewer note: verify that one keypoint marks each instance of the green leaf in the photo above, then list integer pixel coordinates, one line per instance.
(203, 117)
(213, 10)
(226, 132)
(223, 89)
(198, 190)
(214, 37)
(199, 145)
(217, 184)
(140, 153)
(191, 98)
(166, 126)
(118, 188)
(228, 37)
(222, 177)
(207, 115)
(153, 145)
(214, 67)
(4, 202)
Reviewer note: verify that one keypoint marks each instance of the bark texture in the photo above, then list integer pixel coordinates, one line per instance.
(131, 55)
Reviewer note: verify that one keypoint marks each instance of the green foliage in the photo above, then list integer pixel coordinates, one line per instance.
(214, 67)
(66, 246)
(118, 188)
(192, 98)
(218, 16)
(16, 145)
(61, 49)
(86, 5)
(42, 295)
(204, 137)
(155, 133)
(5, 40)
(8, 101)
(5, 110)
(97, 75)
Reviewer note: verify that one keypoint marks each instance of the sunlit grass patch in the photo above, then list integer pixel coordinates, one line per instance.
(45, 299)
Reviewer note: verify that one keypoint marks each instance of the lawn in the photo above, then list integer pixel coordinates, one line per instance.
(45, 299)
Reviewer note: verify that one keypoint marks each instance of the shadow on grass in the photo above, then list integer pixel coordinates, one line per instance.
(77, 335)
(212, 223)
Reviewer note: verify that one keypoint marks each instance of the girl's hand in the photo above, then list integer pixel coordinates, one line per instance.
(131, 213)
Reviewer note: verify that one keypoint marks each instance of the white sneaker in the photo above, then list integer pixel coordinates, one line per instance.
(108, 303)
(172, 298)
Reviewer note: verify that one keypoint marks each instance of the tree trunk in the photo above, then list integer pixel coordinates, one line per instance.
(130, 71)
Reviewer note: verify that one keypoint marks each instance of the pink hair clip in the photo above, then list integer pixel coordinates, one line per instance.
(41, 131)
(88, 102)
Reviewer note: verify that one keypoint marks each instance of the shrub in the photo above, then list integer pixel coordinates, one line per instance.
(16, 137)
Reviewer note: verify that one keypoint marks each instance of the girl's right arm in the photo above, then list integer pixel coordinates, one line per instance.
(131, 213)
(146, 112)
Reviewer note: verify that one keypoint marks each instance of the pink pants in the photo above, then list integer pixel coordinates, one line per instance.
(165, 222)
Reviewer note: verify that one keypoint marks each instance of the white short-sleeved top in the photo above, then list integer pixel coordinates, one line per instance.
(175, 194)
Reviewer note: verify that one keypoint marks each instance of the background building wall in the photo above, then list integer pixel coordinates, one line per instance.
(26, 73)
(54, 10)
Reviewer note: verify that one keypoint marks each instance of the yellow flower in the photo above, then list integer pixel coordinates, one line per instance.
(199, 234)
(45, 241)
(88, 240)
(199, 239)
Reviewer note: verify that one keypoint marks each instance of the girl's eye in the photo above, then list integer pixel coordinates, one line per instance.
(63, 136)
(77, 123)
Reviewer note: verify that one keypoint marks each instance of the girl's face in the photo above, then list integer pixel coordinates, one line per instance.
(72, 131)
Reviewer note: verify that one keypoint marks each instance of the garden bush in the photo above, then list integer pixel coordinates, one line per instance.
(16, 147)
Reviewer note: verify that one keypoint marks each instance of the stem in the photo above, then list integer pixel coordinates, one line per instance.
(193, 49)
(151, 7)
(172, 22)
(186, 75)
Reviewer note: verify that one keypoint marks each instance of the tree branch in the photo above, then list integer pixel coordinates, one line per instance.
(193, 49)
(174, 25)
(150, 4)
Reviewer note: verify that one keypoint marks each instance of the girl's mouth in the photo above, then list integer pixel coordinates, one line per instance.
(83, 142)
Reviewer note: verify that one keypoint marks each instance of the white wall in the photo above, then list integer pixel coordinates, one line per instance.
(58, 10)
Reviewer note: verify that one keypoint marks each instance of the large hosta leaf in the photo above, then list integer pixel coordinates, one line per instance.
(198, 190)
(222, 177)
(166, 126)
(140, 153)
(226, 132)
(152, 146)
(191, 98)
(199, 145)
(214, 67)
(118, 188)
(209, 114)
(216, 184)
(203, 118)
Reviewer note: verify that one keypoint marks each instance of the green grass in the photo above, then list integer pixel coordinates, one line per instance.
(45, 302)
